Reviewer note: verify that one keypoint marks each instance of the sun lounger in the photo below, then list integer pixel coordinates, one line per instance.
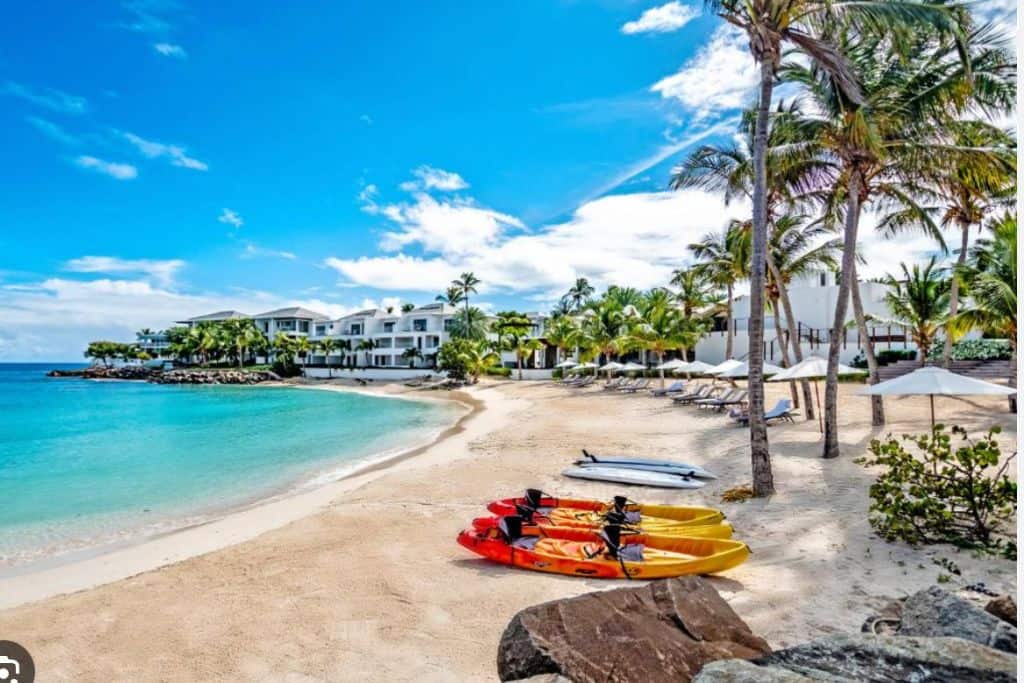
(632, 389)
(705, 392)
(587, 381)
(733, 398)
(715, 400)
(674, 388)
(783, 410)
(625, 384)
(613, 383)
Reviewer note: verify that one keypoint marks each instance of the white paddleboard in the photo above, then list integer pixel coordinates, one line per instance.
(651, 465)
(621, 475)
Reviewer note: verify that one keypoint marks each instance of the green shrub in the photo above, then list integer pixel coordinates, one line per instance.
(557, 373)
(886, 356)
(498, 371)
(975, 349)
(285, 367)
(938, 494)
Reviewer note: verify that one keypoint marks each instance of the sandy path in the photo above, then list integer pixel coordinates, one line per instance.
(374, 588)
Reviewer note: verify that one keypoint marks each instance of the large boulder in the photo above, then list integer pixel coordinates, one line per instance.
(661, 631)
(1004, 607)
(935, 612)
(872, 659)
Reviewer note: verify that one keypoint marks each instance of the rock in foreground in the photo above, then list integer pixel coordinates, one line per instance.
(662, 631)
(935, 612)
(872, 659)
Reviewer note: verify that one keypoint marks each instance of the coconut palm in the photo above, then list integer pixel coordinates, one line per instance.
(920, 301)
(662, 327)
(579, 294)
(367, 347)
(990, 276)
(696, 293)
(769, 24)
(327, 346)
(452, 296)
(513, 331)
(562, 332)
(877, 148)
(466, 285)
(411, 355)
(472, 325)
(723, 260)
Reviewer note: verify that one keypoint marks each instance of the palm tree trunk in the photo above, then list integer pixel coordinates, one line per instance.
(661, 371)
(760, 458)
(954, 292)
(519, 366)
(794, 334)
(783, 347)
(728, 321)
(877, 406)
(831, 449)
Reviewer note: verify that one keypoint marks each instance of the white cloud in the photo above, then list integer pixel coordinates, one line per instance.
(231, 218)
(53, 131)
(150, 16)
(396, 272)
(253, 251)
(170, 50)
(48, 98)
(112, 169)
(161, 271)
(720, 77)
(156, 150)
(429, 178)
(453, 227)
(669, 17)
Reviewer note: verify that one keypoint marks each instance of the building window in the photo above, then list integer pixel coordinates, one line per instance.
(448, 324)
(355, 329)
(821, 278)
(321, 330)
(389, 327)
(303, 326)
(419, 325)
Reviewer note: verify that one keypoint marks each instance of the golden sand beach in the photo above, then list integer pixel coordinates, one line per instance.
(362, 579)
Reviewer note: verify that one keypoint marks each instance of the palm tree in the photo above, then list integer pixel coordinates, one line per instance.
(478, 356)
(365, 345)
(877, 148)
(327, 346)
(920, 302)
(561, 332)
(990, 276)
(284, 346)
(466, 284)
(473, 325)
(661, 328)
(696, 293)
(968, 197)
(579, 294)
(769, 24)
(512, 329)
(723, 259)
(411, 355)
(452, 296)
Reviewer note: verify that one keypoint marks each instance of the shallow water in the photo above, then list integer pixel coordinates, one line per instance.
(86, 463)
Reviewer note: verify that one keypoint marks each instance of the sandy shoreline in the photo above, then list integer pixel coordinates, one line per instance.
(94, 567)
(371, 586)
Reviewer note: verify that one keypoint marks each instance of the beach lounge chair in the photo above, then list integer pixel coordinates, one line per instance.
(706, 391)
(625, 384)
(783, 410)
(732, 398)
(713, 401)
(674, 388)
(633, 388)
(613, 383)
(587, 381)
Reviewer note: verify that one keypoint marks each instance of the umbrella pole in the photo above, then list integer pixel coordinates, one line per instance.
(931, 401)
(817, 399)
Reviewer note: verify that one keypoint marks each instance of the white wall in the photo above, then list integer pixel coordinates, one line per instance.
(386, 374)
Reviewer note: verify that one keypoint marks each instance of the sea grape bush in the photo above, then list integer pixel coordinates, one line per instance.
(932, 490)
(976, 349)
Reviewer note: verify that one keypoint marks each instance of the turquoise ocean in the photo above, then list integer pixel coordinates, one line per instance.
(86, 464)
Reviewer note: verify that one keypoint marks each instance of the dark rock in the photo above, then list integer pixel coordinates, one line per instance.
(1004, 607)
(743, 671)
(935, 612)
(885, 621)
(662, 631)
(874, 659)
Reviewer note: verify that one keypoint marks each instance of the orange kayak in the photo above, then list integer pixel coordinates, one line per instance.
(609, 554)
(720, 530)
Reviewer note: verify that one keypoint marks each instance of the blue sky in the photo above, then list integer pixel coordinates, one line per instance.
(165, 158)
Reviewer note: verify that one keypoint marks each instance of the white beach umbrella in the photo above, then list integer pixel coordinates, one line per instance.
(632, 367)
(723, 366)
(932, 382)
(815, 368)
(741, 370)
(697, 367)
(611, 365)
(674, 364)
(566, 364)
(586, 366)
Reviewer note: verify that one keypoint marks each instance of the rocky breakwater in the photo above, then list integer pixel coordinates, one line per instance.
(182, 376)
(215, 377)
